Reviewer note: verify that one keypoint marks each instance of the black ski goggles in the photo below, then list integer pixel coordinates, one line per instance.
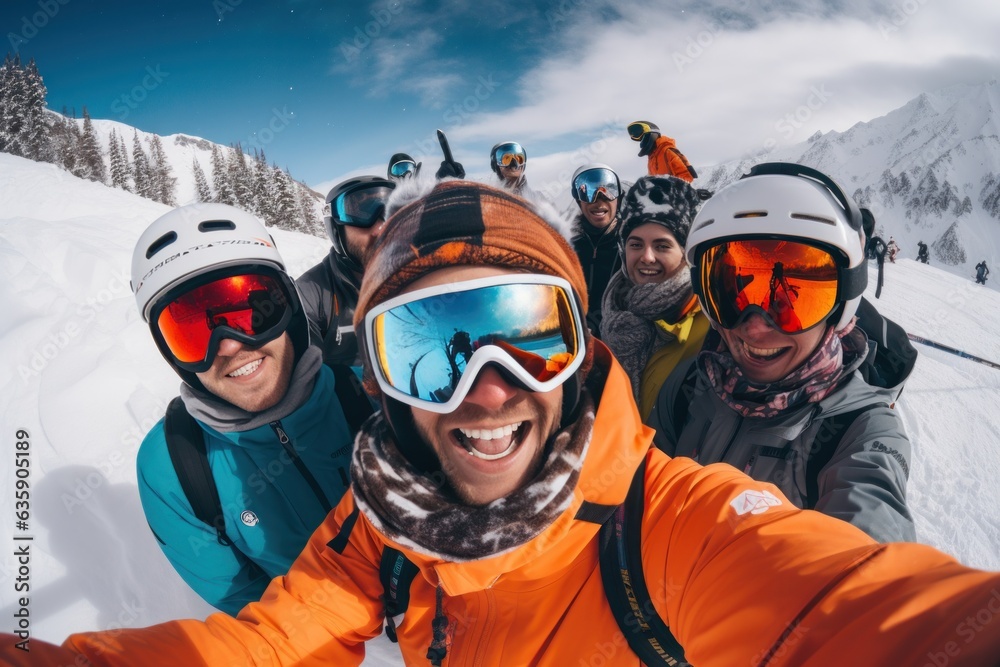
(249, 304)
(428, 346)
(639, 129)
(590, 184)
(361, 206)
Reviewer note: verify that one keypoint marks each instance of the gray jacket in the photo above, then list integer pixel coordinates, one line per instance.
(864, 482)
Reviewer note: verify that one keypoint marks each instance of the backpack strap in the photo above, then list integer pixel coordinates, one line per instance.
(825, 445)
(186, 445)
(353, 400)
(682, 400)
(687, 164)
(396, 572)
(625, 584)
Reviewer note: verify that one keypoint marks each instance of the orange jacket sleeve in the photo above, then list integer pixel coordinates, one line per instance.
(786, 587)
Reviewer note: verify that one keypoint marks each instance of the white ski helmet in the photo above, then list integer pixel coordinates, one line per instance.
(193, 240)
(598, 166)
(787, 200)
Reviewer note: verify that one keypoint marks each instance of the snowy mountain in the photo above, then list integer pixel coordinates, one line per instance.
(82, 378)
(929, 170)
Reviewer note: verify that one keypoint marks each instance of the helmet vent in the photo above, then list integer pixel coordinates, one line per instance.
(160, 243)
(814, 218)
(216, 225)
(750, 214)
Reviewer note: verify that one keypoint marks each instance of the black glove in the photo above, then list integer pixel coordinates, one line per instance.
(453, 169)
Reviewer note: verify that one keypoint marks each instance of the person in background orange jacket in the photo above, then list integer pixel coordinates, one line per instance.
(664, 158)
(494, 482)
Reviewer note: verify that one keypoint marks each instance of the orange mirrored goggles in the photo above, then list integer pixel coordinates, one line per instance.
(251, 307)
(794, 285)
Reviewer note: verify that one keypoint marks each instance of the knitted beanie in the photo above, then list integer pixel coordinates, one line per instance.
(665, 200)
(465, 223)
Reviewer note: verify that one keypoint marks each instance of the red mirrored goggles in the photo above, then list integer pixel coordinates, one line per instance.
(252, 307)
(793, 284)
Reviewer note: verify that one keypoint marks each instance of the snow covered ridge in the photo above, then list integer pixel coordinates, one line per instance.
(929, 170)
(173, 170)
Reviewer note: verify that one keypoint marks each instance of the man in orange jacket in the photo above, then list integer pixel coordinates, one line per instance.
(664, 158)
(489, 472)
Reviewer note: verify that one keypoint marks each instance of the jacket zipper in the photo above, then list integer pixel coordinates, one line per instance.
(482, 642)
(286, 444)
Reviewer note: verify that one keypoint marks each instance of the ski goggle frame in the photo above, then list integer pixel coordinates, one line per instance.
(639, 129)
(427, 347)
(403, 168)
(361, 206)
(251, 304)
(509, 155)
(795, 284)
(600, 181)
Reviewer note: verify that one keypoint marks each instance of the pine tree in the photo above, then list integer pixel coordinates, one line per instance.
(90, 152)
(161, 175)
(65, 142)
(36, 129)
(220, 178)
(286, 209)
(119, 164)
(307, 209)
(239, 176)
(262, 187)
(13, 105)
(202, 191)
(143, 180)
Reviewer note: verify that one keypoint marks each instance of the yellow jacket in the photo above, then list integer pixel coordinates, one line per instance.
(690, 333)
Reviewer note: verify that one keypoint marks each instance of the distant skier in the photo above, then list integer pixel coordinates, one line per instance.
(893, 249)
(981, 272)
(922, 255)
(662, 156)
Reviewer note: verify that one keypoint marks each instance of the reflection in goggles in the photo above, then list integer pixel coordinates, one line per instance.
(508, 155)
(792, 283)
(423, 348)
(247, 304)
(593, 182)
(362, 207)
(403, 168)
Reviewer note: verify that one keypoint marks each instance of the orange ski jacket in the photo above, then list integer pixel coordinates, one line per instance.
(741, 576)
(666, 160)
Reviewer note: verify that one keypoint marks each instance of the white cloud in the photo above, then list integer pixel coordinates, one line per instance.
(722, 92)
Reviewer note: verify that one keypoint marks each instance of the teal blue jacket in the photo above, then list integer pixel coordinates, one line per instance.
(269, 506)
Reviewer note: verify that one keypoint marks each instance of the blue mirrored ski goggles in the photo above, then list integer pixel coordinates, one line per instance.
(590, 184)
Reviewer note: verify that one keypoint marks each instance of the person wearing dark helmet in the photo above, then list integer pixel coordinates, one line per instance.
(663, 157)
(402, 166)
(493, 473)
(778, 262)
(598, 193)
(651, 317)
(509, 161)
(227, 318)
(354, 217)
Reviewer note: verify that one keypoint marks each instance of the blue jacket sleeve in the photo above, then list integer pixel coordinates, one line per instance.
(220, 574)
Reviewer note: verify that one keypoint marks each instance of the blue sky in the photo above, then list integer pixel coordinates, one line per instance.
(333, 88)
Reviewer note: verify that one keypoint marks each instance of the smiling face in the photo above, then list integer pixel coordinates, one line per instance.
(766, 354)
(494, 442)
(512, 173)
(652, 254)
(600, 213)
(253, 379)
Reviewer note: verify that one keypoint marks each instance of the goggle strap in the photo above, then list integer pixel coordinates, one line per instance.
(853, 281)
